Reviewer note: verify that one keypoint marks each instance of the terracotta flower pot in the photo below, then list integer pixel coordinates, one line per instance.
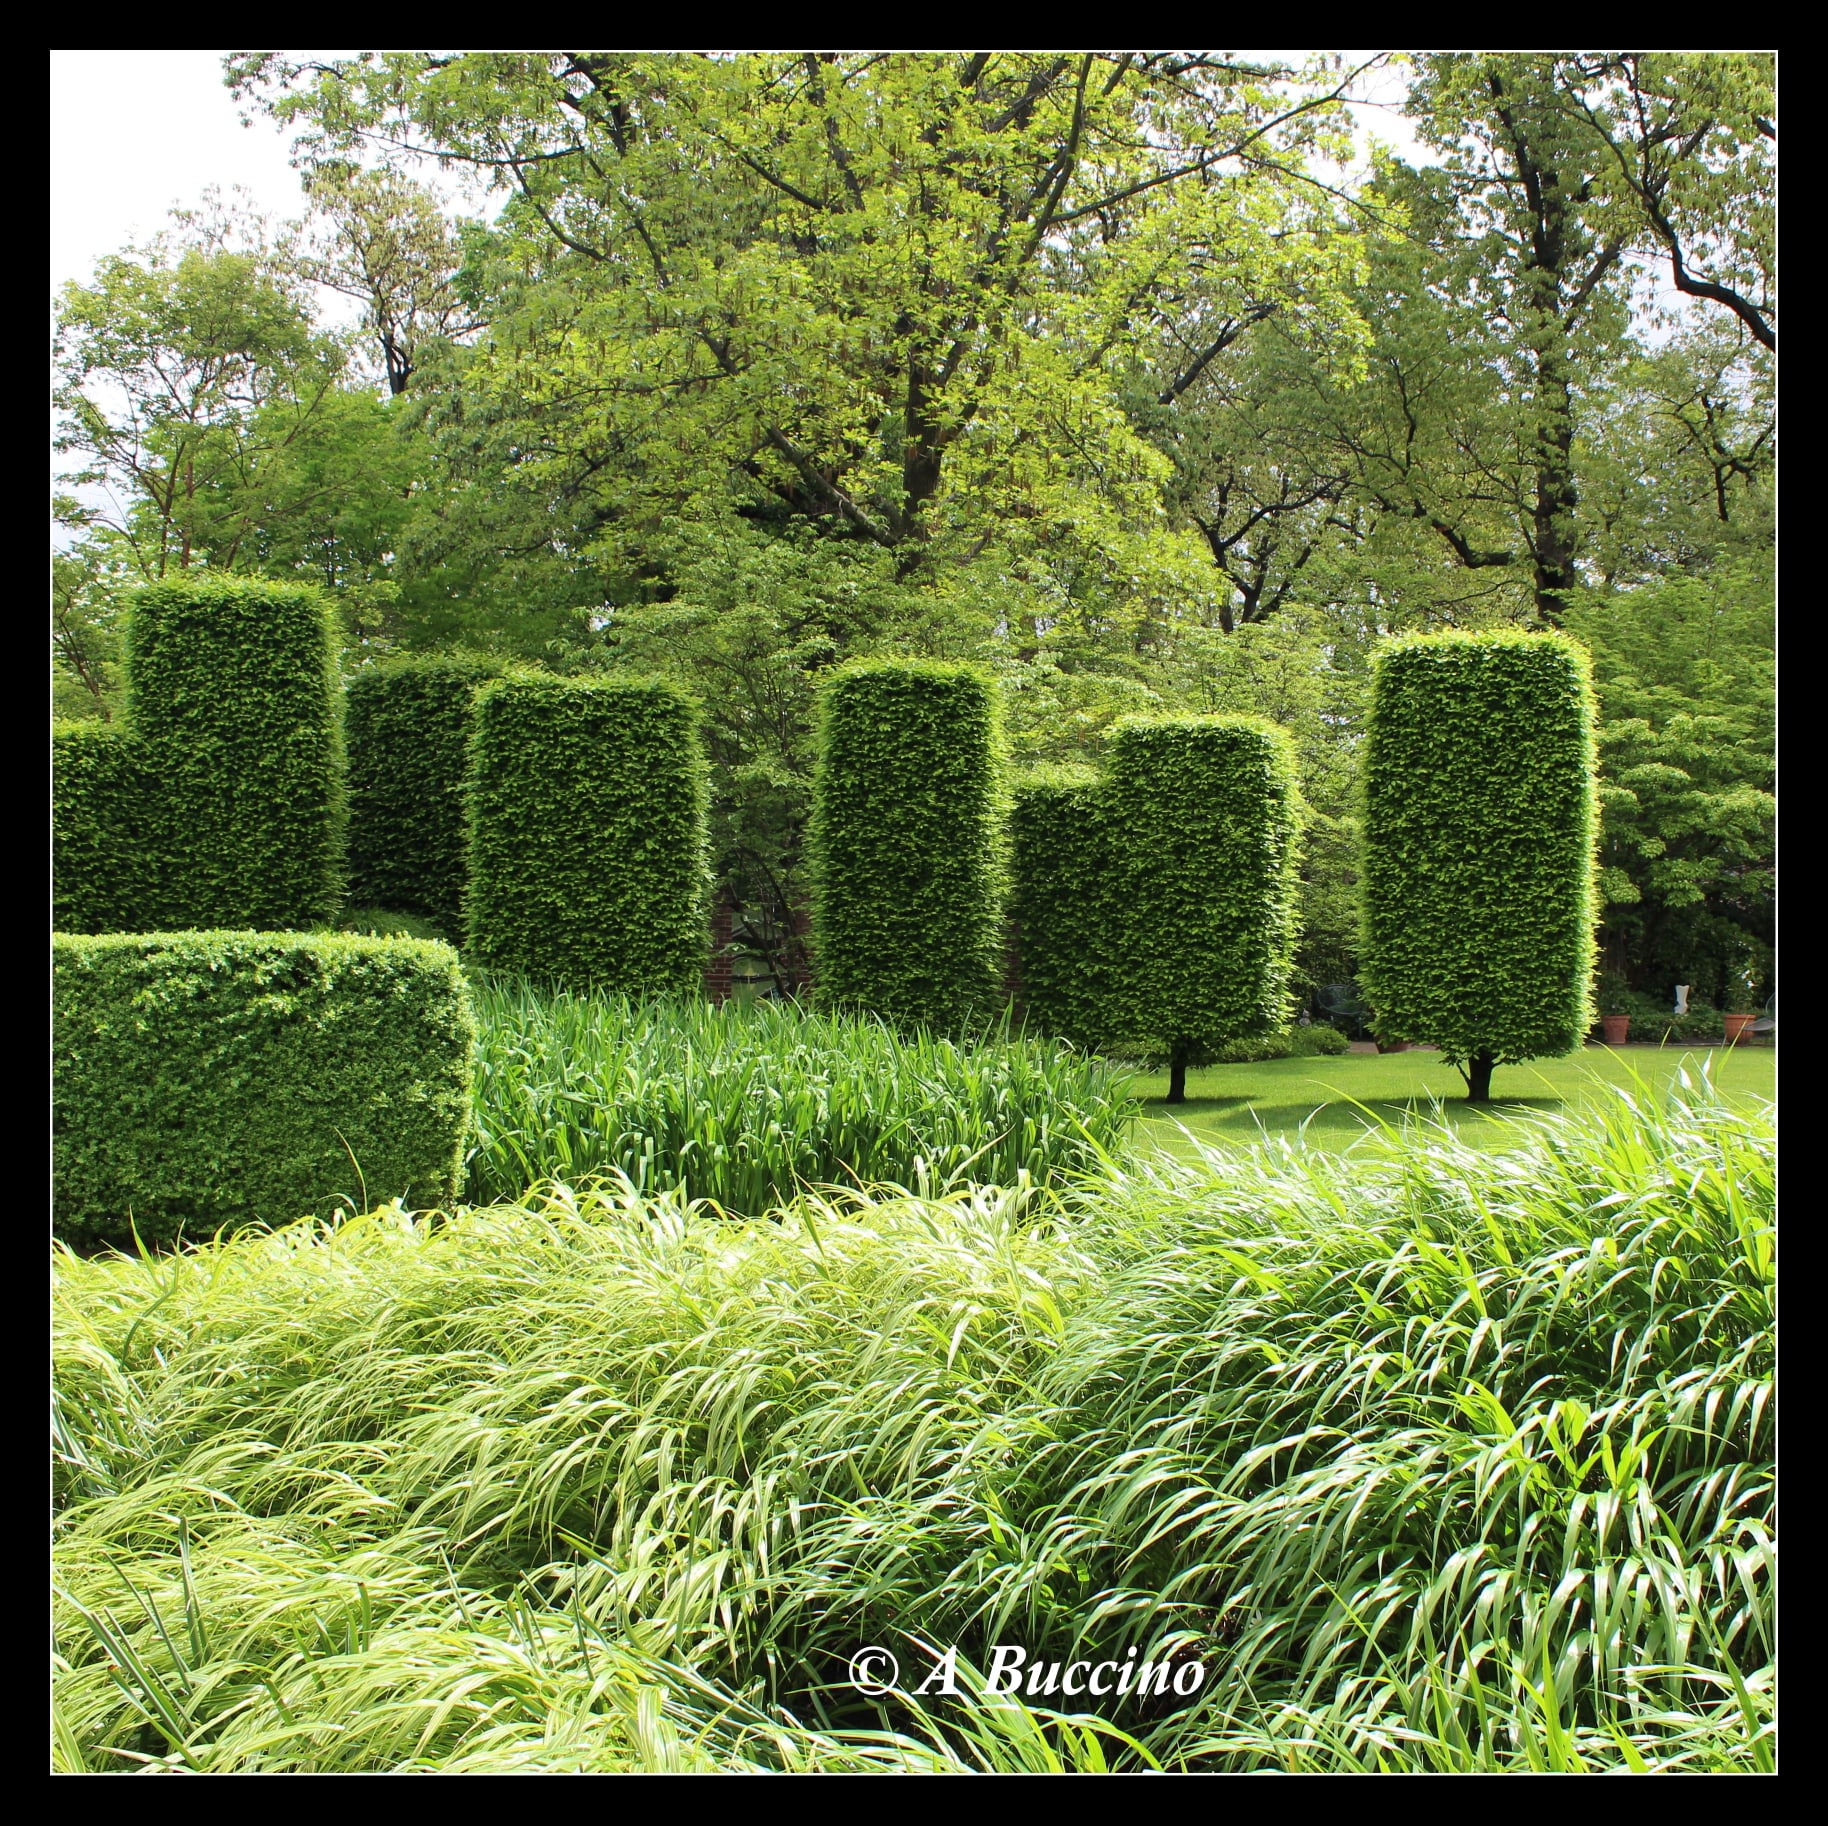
(1393, 1045)
(1616, 1027)
(1738, 1026)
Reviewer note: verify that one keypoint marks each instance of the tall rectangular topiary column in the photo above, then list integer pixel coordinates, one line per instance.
(1480, 833)
(1060, 901)
(907, 864)
(236, 707)
(408, 729)
(1202, 820)
(587, 834)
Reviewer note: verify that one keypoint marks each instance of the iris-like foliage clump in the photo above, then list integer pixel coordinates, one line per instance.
(748, 1105)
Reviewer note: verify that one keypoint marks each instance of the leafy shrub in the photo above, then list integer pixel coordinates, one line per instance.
(587, 835)
(213, 1079)
(234, 697)
(748, 1104)
(906, 841)
(108, 854)
(223, 804)
(1479, 846)
(408, 730)
(1318, 1041)
(1060, 901)
(1200, 815)
(1435, 1458)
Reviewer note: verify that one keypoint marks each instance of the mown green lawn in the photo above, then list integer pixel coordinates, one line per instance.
(1339, 1099)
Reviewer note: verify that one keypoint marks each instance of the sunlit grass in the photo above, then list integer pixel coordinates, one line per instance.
(1335, 1101)
(1454, 1459)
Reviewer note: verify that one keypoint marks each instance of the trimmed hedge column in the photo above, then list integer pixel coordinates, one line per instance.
(906, 844)
(408, 729)
(1060, 901)
(235, 703)
(108, 850)
(211, 1079)
(1202, 815)
(1479, 847)
(587, 834)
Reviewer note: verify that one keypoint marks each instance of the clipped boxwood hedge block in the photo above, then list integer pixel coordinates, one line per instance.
(1060, 901)
(408, 729)
(1202, 818)
(211, 1079)
(1479, 846)
(587, 834)
(906, 842)
(108, 871)
(234, 696)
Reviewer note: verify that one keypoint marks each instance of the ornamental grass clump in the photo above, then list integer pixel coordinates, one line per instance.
(1432, 1458)
(750, 1104)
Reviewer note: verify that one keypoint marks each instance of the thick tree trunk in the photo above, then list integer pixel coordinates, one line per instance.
(1177, 1076)
(1479, 1078)
(1556, 527)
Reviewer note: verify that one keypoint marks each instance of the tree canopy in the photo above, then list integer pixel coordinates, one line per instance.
(1120, 375)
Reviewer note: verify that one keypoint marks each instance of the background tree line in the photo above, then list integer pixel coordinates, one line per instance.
(1091, 369)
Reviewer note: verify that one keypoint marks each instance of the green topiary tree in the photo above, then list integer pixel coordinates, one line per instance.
(906, 843)
(1060, 901)
(108, 851)
(1480, 834)
(212, 1079)
(408, 729)
(1202, 819)
(236, 707)
(587, 834)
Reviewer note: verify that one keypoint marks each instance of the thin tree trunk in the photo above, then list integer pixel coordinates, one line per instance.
(1177, 1076)
(1479, 1078)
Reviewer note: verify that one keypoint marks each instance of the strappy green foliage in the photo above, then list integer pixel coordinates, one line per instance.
(748, 1105)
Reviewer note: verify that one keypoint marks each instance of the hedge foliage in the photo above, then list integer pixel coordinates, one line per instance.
(234, 697)
(109, 869)
(1480, 831)
(907, 844)
(221, 804)
(587, 834)
(1202, 821)
(210, 1079)
(1060, 901)
(408, 729)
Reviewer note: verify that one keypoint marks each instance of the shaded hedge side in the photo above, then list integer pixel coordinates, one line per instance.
(1060, 901)
(408, 732)
(110, 868)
